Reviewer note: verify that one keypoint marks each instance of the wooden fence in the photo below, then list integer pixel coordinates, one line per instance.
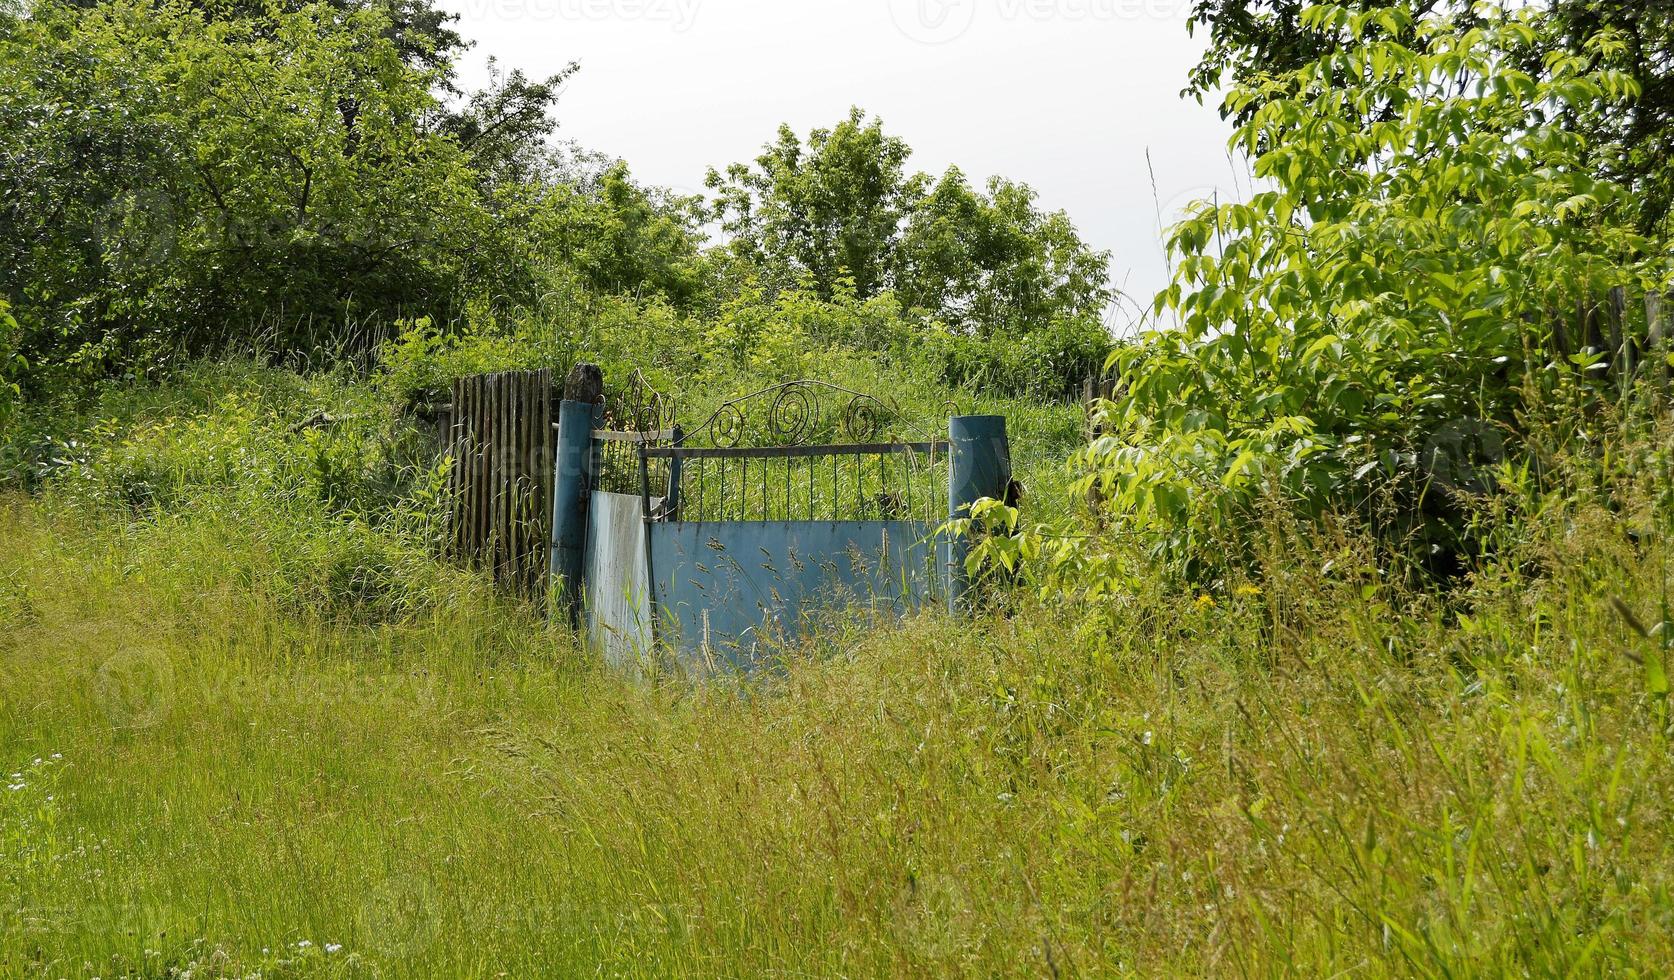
(500, 436)
(1630, 338)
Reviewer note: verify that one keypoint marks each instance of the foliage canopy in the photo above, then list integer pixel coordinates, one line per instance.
(1374, 328)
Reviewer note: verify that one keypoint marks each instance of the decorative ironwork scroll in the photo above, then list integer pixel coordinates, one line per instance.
(640, 408)
(797, 413)
(639, 416)
(802, 451)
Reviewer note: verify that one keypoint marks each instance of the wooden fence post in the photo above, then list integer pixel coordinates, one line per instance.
(501, 443)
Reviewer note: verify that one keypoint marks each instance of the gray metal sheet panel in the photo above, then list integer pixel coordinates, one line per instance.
(618, 609)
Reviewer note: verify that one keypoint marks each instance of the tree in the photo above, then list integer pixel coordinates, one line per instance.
(171, 181)
(621, 237)
(1430, 205)
(1254, 39)
(830, 210)
(844, 212)
(506, 126)
(996, 264)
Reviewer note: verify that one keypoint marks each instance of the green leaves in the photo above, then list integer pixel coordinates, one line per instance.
(12, 364)
(184, 177)
(829, 209)
(843, 211)
(1427, 205)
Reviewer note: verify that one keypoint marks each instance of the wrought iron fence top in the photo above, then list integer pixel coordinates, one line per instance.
(794, 413)
(640, 408)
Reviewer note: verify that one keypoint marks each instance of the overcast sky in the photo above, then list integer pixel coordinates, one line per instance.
(1065, 95)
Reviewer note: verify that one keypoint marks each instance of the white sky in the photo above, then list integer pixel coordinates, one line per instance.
(1065, 95)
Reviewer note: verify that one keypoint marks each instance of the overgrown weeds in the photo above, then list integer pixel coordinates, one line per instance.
(1316, 766)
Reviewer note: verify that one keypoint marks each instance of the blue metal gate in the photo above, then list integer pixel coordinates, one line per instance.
(783, 507)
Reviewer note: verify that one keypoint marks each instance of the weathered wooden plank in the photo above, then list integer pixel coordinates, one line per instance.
(540, 439)
(496, 475)
(535, 438)
(1657, 335)
(1623, 351)
(469, 461)
(1591, 329)
(544, 486)
(450, 547)
(1653, 320)
(464, 468)
(520, 512)
(518, 419)
(502, 434)
(520, 478)
(485, 436)
(500, 487)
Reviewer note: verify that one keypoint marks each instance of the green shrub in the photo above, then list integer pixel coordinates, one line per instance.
(1369, 331)
(11, 365)
(1050, 364)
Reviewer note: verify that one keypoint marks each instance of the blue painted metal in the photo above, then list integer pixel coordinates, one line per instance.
(724, 589)
(719, 594)
(569, 502)
(981, 467)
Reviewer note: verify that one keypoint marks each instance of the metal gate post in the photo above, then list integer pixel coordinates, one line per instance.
(571, 473)
(980, 466)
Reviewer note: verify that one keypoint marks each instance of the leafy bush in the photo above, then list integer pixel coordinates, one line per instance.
(209, 175)
(1048, 364)
(1388, 298)
(336, 504)
(11, 365)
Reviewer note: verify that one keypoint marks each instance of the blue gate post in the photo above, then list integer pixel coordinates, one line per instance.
(980, 466)
(569, 502)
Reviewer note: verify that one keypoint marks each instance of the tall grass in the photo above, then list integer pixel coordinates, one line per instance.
(248, 727)
(1323, 774)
